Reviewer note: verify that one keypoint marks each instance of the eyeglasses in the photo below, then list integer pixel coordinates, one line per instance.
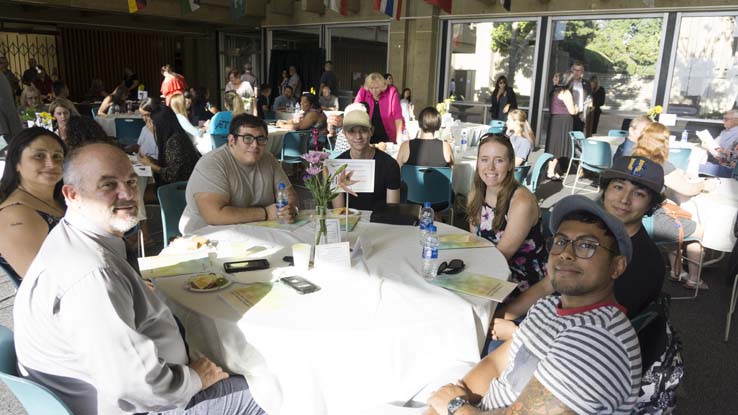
(248, 139)
(583, 248)
(454, 266)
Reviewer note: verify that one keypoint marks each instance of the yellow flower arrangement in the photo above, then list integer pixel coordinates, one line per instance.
(653, 112)
(445, 106)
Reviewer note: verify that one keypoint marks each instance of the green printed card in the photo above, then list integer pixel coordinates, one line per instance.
(276, 225)
(462, 240)
(477, 285)
(242, 299)
(171, 265)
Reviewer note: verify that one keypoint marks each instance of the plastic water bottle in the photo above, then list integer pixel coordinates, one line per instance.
(282, 200)
(425, 219)
(430, 254)
(464, 140)
(297, 106)
(685, 136)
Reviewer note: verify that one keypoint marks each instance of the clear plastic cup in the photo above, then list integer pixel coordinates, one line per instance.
(301, 256)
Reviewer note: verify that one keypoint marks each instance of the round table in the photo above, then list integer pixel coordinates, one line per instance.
(374, 334)
(716, 211)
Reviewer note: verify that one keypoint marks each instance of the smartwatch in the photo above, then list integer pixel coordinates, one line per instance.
(455, 404)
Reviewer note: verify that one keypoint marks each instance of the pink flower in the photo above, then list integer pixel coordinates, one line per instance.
(487, 219)
(313, 170)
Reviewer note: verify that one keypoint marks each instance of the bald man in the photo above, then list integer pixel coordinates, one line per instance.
(86, 325)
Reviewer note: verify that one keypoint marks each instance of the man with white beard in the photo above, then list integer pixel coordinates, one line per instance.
(89, 329)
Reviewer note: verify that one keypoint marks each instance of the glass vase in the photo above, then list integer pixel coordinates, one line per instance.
(321, 232)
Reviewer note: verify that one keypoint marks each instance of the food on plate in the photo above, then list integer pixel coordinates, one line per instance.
(207, 281)
(342, 211)
(190, 244)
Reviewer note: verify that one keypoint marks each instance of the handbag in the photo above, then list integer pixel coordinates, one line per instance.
(676, 212)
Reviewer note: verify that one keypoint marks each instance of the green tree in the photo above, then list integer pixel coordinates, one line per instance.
(510, 40)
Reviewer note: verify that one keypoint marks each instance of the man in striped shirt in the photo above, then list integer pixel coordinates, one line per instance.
(574, 353)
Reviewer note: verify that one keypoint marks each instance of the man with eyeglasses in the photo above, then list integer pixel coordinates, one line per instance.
(721, 158)
(237, 182)
(575, 352)
(633, 189)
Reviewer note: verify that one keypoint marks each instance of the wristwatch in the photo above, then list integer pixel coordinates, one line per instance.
(455, 404)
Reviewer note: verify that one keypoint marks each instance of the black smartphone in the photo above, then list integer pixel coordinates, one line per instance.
(288, 259)
(249, 265)
(299, 284)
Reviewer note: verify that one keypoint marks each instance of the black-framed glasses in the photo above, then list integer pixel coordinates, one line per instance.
(454, 266)
(584, 248)
(248, 139)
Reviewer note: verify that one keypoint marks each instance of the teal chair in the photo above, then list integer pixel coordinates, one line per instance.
(496, 127)
(521, 172)
(576, 138)
(270, 116)
(647, 222)
(596, 157)
(617, 133)
(36, 399)
(679, 157)
(294, 145)
(172, 203)
(429, 184)
(543, 159)
(127, 130)
(219, 128)
(94, 110)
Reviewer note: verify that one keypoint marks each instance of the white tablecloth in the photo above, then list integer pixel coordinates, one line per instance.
(697, 156)
(107, 122)
(717, 211)
(372, 335)
(276, 135)
(474, 132)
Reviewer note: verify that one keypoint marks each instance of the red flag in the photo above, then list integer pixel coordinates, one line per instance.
(445, 5)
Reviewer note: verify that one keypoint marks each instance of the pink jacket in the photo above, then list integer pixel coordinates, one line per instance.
(389, 108)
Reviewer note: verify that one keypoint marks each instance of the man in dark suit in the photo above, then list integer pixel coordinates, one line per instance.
(582, 92)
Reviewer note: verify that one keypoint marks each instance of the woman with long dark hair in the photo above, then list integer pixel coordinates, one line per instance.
(31, 203)
(114, 103)
(177, 154)
(506, 213)
(562, 107)
(503, 99)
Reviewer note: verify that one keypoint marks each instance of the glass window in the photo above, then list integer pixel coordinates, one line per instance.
(480, 53)
(704, 82)
(621, 53)
(297, 38)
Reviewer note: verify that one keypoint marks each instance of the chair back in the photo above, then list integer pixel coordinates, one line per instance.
(36, 399)
(521, 172)
(127, 130)
(576, 135)
(172, 203)
(294, 145)
(427, 184)
(496, 127)
(617, 133)
(543, 159)
(220, 124)
(596, 155)
(94, 110)
(679, 157)
(270, 116)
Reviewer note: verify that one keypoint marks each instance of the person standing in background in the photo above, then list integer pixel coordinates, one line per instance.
(173, 83)
(249, 76)
(328, 78)
(10, 124)
(503, 99)
(10, 76)
(593, 112)
(30, 74)
(131, 82)
(294, 81)
(582, 92)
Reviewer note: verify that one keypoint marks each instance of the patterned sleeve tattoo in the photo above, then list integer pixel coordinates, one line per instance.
(535, 399)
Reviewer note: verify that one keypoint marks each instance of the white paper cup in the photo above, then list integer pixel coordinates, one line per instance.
(301, 256)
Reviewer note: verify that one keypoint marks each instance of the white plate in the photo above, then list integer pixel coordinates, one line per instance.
(335, 212)
(188, 285)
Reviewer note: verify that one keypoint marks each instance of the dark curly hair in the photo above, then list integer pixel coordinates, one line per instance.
(83, 130)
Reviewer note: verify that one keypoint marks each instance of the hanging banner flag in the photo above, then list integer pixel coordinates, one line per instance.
(445, 5)
(506, 4)
(238, 7)
(392, 8)
(190, 5)
(338, 6)
(136, 5)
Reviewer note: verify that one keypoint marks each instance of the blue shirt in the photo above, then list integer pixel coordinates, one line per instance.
(283, 102)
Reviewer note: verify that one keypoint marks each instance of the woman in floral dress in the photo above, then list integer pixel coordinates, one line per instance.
(506, 213)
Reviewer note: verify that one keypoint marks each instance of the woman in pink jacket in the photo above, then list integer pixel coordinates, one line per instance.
(384, 108)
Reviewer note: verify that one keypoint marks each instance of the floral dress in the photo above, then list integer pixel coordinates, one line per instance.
(528, 265)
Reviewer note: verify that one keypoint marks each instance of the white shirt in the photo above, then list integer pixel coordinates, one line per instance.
(245, 90)
(83, 313)
(147, 144)
(578, 92)
(727, 138)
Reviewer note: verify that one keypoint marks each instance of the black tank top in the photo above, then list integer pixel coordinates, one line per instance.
(426, 153)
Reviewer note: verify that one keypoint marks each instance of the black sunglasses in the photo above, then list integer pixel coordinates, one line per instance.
(454, 266)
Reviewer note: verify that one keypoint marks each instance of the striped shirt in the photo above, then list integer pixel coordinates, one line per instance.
(588, 358)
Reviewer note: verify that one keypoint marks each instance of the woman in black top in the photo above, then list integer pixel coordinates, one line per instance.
(503, 99)
(426, 150)
(177, 154)
(598, 100)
